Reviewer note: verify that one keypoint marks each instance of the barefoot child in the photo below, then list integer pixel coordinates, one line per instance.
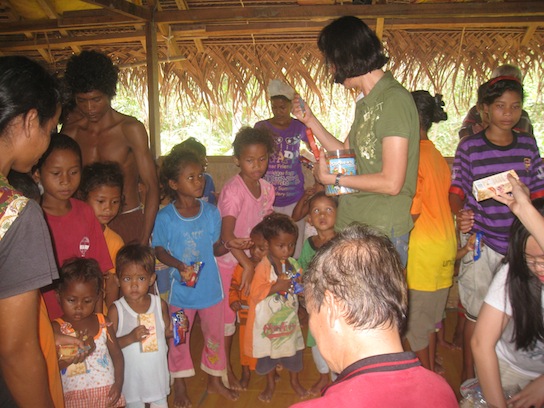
(97, 381)
(244, 201)
(184, 235)
(239, 300)
(274, 336)
(102, 188)
(322, 216)
(146, 368)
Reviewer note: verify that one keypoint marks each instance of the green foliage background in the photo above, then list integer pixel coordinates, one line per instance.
(216, 126)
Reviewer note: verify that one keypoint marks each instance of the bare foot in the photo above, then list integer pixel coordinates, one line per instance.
(297, 387)
(246, 376)
(181, 399)
(234, 384)
(268, 392)
(320, 383)
(215, 386)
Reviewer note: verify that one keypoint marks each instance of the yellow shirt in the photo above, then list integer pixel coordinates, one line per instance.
(433, 246)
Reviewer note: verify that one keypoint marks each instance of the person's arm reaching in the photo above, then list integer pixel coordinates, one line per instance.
(306, 116)
(21, 358)
(489, 327)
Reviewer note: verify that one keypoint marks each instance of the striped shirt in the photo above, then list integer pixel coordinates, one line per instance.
(476, 158)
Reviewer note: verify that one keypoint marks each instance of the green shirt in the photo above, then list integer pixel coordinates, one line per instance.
(388, 110)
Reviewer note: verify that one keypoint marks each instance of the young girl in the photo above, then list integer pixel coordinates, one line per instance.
(244, 201)
(508, 341)
(74, 229)
(184, 235)
(274, 336)
(322, 216)
(98, 380)
(238, 299)
(146, 368)
(102, 188)
(494, 150)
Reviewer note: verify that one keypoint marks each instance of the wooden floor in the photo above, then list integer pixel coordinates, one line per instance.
(284, 396)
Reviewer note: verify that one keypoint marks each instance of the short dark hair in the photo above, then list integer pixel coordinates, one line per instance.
(361, 268)
(91, 71)
(495, 87)
(99, 174)
(322, 194)
(172, 165)
(135, 254)
(351, 48)
(429, 109)
(81, 270)
(276, 223)
(26, 85)
(247, 136)
(59, 141)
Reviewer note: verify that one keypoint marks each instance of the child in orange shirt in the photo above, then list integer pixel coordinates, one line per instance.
(238, 300)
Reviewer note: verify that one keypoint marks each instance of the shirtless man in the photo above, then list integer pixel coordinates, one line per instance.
(107, 135)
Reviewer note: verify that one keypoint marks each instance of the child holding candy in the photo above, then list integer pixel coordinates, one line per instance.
(184, 235)
(273, 334)
(141, 323)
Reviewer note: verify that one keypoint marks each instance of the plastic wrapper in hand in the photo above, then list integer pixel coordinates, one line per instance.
(180, 323)
(195, 269)
(472, 396)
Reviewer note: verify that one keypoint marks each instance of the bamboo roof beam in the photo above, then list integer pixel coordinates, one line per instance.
(123, 7)
(319, 12)
(50, 12)
(529, 34)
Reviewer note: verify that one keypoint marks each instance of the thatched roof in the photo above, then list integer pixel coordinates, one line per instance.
(210, 49)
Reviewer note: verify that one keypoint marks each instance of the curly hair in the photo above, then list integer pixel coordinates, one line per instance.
(429, 109)
(91, 71)
(81, 270)
(172, 165)
(247, 136)
(99, 174)
(276, 223)
(351, 48)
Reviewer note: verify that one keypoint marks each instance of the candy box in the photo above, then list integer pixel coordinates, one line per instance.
(487, 187)
(149, 343)
(68, 351)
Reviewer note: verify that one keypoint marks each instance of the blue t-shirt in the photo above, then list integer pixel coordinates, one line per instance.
(209, 190)
(191, 240)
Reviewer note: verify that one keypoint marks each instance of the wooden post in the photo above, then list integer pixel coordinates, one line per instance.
(153, 89)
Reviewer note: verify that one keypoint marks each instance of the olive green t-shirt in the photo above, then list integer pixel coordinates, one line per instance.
(388, 110)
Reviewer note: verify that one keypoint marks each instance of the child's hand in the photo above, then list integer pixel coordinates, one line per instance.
(139, 333)
(236, 305)
(284, 285)
(239, 243)
(114, 394)
(465, 220)
(471, 243)
(185, 272)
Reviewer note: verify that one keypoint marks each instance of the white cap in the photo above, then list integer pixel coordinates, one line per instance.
(277, 87)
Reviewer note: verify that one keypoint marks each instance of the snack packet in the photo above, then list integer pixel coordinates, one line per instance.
(149, 343)
(180, 324)
(196, 268)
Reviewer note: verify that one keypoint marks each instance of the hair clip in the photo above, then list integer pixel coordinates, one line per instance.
(504, 78)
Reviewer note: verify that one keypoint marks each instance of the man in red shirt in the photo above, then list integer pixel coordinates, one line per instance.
(357, 300)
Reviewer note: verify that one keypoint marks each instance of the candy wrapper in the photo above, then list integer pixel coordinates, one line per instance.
(478, 245)
(149, 343)
(487, 187)
(180, 324)
(195, 268)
